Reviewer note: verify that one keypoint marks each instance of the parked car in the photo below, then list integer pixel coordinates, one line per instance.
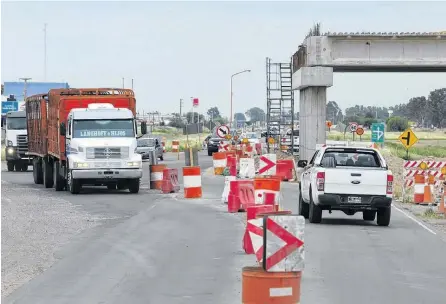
(146, 144)
(349, 179)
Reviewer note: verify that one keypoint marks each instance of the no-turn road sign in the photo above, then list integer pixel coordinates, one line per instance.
(222, 131)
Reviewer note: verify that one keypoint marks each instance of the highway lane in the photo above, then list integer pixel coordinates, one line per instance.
(193, 255)
(349, 261)
(154, 248)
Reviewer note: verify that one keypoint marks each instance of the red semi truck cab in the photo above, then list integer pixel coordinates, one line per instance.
(84, 137)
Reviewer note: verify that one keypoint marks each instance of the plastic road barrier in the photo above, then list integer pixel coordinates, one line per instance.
(170, 181)
(219, 161)
(259, 286)
(175, 146)
(192, 182)
(156, 176)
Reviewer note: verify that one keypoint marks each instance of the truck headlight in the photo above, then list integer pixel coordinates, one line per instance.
(134, 164)
(10, 151)
(80, 165)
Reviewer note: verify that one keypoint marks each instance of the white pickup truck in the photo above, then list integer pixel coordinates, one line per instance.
(350, 179)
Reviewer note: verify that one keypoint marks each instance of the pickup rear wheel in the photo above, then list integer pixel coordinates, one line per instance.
(369, 215)
(10, 166)
(303, 207)
(383, 216)
(315, 212)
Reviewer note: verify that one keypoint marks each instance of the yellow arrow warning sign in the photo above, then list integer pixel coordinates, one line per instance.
(408, 138)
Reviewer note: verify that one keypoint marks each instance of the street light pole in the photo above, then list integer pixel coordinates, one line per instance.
(232, 77)
(25, 85)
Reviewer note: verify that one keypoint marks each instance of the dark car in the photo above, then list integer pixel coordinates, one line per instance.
(213, 144)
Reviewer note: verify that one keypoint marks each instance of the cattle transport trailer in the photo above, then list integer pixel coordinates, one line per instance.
(84, 136)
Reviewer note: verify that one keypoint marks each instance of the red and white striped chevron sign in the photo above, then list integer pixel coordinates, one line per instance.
(278, 242)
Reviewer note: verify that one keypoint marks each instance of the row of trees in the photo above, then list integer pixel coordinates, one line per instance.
(423, 111)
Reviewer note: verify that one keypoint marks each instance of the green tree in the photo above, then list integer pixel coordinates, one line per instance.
(397, 124)
(213, 112)
(255, 114)
(437, 107)
(239, 117)
(195, 115)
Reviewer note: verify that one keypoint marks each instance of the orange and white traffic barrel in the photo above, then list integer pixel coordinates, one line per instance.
(260, 286)
(175, 145)
(192, 182)
(219, 161)
(418, 194)
(156, 176)
(264, 185)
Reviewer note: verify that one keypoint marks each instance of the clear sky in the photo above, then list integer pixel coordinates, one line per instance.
(176, 50)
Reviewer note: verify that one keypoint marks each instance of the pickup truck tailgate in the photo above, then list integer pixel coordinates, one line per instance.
(363, 181)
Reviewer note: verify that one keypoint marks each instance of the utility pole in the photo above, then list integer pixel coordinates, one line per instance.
(25, 85)
(123, 83)
(132, 83)
(44, 51)
(181, 106)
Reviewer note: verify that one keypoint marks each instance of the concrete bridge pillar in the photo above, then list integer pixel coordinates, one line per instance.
(312, 82)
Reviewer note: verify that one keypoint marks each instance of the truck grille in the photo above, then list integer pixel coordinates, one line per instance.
(108, 153)
(22, 144)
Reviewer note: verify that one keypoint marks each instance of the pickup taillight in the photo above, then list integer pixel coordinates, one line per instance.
(320, 181)
(389, 184)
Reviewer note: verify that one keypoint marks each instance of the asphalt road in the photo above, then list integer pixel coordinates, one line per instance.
(164, 249)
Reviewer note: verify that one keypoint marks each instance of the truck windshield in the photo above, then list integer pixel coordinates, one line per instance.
(16, 123)
(103, 128)
(333, 158)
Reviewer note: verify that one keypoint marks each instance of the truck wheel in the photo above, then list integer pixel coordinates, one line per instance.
(303, 207)
(315, 212)
(369, 215)
(37, 171)
(133, 185)
(121, 185)
(59, 180)
(10, 166)
(111, 186)
(74, 185)
(47, 173)
(18, 167)
(24, 167)
(383, 216)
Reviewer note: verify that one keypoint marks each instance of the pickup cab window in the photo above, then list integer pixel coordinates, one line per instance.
(333, 158)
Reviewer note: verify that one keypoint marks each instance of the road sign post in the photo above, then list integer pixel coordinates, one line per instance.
(223, 131)
(408, 139)
(378, 130)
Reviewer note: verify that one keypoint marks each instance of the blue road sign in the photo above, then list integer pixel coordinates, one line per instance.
(9, 106)
(378, 132)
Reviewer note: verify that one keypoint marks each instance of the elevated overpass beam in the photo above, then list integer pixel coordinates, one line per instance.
(319, 56)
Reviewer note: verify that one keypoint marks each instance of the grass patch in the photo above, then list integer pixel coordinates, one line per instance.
(431, 214)
(3, 153)
(415, 153)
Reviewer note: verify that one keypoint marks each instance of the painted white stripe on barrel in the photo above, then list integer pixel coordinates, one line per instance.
(281, 292)
(419, 188)
(219, 163)
(156, 176)
(192, 181)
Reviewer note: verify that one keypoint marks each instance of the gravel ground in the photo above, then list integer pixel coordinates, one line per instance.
(35, 224)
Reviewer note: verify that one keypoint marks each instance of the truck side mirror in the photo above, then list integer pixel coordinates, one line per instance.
(143, 127)
(62, 129)
(302, 163)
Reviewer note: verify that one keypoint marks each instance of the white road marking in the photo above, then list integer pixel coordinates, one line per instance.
(415, 220)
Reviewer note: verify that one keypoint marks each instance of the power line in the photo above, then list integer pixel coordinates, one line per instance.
(44, 51)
